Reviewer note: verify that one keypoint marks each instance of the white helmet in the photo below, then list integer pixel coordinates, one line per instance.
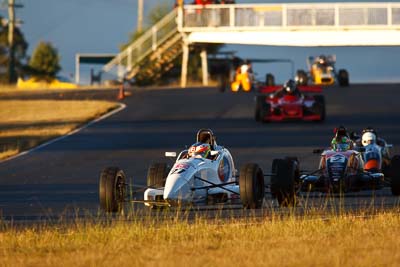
(368, 138)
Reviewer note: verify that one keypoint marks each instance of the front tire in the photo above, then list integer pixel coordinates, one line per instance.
(157, 175)
(251, 186)
(112, 189)
(395, 173)
(283, 184)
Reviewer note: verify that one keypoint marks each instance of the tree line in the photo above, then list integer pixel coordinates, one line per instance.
(43, 64)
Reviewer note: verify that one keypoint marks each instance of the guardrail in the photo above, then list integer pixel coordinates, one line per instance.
(290, 16)
(144, 45)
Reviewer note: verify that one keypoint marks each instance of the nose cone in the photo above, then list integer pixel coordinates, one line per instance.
(177, 189)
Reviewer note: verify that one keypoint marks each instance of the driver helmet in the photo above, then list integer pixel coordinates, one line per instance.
(200, 149)
(322, 59)
(341, 131)
(368, 138)
(370, 130)
(244, 68)
(342, 143)
(290, 86)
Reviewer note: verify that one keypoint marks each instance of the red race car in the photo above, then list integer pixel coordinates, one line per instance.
(289, 102)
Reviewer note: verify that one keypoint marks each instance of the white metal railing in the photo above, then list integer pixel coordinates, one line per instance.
(144, 45)
(257, 17)
(290, 16)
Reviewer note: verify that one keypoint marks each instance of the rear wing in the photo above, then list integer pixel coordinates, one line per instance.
(302, 88)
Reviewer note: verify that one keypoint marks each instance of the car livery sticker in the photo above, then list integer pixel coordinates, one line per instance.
(224, 169)
(180, 167)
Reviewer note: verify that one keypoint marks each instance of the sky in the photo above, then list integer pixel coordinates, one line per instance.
(100, 26)
(79, 26)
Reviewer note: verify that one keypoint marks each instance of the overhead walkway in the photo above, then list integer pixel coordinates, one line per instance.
(305, 24)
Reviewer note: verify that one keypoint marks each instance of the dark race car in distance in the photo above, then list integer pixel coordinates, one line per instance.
(274, 104)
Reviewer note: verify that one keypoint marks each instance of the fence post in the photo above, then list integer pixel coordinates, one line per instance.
(337, 17)
(154, 38)
(204, 66)
(284, 16)
(389, 14)
(179, 18)
(185, 61)
(232, 16)
(129, 63)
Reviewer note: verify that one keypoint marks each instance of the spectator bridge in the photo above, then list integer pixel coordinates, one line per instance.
(303, 24)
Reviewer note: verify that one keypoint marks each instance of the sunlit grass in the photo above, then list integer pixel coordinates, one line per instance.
(344, 240)
(27, 123)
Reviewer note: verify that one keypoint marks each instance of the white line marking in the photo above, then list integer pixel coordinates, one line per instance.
(121, 107)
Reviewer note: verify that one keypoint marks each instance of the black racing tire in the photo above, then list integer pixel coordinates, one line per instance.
(265, 110)
(320, 106)
(272, 183)
(251, 186)
(157, 175)
(259, 106)
(269, 79)
(283, 184)
(296, 163)
(222, 83)
(112, 189)
(301, 77)
(395, 173)
(343, 77)
(262, 109)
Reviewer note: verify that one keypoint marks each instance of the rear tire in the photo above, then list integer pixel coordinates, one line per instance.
(320, 106)
(157, 175)
(283, 181)
(395, 173)
(251, 186)
(343, 77)
(222, 83)
(269, 79)
(301, 77)
(112, 189)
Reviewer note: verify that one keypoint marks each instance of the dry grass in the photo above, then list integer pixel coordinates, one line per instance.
(27, 123)
(338, 241)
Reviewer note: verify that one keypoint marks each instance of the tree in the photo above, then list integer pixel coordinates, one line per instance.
(20, 47)
(45, 61)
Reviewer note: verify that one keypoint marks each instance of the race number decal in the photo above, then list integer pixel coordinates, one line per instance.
(337, 158)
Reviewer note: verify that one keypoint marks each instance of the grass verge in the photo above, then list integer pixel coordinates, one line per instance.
(27, 123)
(344, 240)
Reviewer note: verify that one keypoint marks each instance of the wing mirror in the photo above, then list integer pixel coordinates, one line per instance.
(214, 153)
(170, 154)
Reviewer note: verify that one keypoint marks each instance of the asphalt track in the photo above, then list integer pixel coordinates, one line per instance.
(62, 178)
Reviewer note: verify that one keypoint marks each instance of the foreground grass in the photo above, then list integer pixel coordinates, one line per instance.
(338, 241)
(27, 123)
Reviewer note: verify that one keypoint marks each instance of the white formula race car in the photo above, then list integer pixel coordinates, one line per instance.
(192, 180)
